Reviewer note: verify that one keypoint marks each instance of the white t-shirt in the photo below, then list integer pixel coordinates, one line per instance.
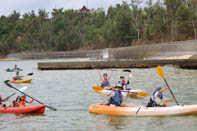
(113, 94)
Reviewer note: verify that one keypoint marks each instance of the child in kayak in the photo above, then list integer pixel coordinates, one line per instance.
(117, 97)
(21, 101)
(15, 67)
(157, 99)
(17, 77)
(124, 83)
(105, 79)
(3, 100)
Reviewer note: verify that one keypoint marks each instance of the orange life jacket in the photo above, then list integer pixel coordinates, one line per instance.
(21, 100)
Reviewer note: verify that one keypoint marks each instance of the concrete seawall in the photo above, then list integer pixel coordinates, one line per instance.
(53, 55)
(144, 56)
(155, 51)
(150, 51)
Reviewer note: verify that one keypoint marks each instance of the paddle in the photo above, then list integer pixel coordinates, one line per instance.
(98, 88)
(6, 82)
(130, 76)
(127, 70)
(30, 74)
(161, 74)
(21, 89)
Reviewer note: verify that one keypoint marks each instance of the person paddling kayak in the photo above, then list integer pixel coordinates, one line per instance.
(17, 77)
(21, 101)
(124, 83)
(15, 67)
(116, 97)
(157, 99)
(105, 79)
(3, 100)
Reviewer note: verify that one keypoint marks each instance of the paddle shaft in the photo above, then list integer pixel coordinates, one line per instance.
(9, 96)
(138, 110)
(171, 91)
(139, 93)
(30, 96)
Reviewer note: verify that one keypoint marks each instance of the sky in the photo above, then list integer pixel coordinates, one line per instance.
(23, 6)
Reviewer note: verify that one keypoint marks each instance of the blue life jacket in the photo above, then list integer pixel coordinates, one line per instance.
(124, 85)
(105, 83)
(117, 99)
(153, 98)
(18, 100)
(121, 83)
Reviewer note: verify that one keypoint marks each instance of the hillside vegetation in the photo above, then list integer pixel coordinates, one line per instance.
(121, 25)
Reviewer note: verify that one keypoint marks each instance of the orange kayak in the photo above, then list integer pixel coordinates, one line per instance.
(21, 81)
(38, 109)
(143, 111)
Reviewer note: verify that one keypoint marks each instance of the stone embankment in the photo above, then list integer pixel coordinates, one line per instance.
(176, 53)
(183, 63)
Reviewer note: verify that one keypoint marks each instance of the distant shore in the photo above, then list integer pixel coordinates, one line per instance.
(6, 59)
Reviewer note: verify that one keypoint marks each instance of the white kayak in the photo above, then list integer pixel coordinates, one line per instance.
(132, 93)
(143, 111)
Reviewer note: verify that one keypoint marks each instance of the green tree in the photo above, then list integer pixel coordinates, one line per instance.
(184, 21)
(172, 6)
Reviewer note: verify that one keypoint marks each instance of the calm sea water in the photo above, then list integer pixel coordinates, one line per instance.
(70, 91)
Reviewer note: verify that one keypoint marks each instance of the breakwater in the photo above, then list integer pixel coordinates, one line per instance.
(183, 63)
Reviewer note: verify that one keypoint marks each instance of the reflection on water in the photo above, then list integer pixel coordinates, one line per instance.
(70, 92)
(118, 122)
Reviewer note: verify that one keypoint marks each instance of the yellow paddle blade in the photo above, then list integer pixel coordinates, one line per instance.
(97, 88)
(160, 71)
(143, 94)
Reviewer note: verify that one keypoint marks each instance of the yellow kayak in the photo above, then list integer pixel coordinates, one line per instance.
(21, 81)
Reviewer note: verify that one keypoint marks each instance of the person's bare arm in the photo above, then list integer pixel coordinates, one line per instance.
(110, 75)
(101, 78)
(110, 93)
(170, 100)
(31, 101)
(6, 99)
(127, 95)
(162, 90)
